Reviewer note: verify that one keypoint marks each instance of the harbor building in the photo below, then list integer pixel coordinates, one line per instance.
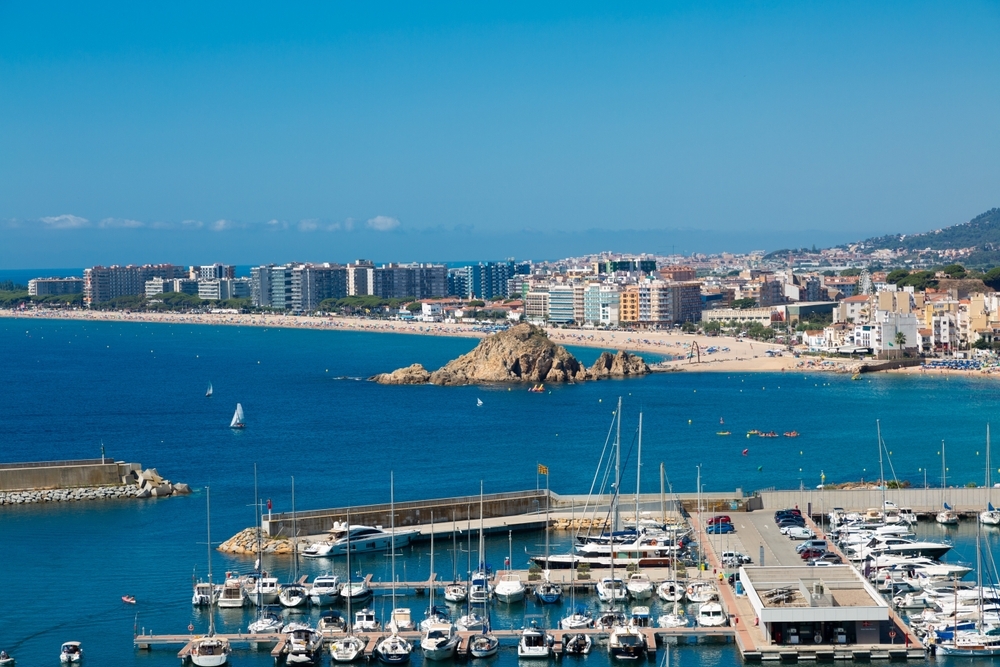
(50, 286)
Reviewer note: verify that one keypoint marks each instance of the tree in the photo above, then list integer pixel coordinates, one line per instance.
(712, 327)
(742, 304)
(900, 342)
(992, 278)
(955, 270)
(689, 327)
(415, 307)
(896, 275)
(850, 272)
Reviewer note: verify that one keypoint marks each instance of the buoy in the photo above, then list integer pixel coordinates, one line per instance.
(689, 421)
(746, 451)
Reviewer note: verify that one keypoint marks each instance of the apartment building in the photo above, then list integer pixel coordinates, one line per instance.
(104, 283)
(52, 286)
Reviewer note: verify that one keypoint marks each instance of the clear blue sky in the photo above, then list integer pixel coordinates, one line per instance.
(245, 132)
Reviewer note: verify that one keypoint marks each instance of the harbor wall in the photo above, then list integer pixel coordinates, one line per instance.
(64, 474)
(922, 501)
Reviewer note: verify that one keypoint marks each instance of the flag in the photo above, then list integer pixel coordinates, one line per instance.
(543, 470)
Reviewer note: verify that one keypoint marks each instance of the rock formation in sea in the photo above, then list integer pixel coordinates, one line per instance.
(522, 353)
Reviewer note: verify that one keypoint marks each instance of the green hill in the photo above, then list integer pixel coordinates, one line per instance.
(982, 232)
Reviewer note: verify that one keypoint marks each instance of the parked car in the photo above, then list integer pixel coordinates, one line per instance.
(719, 519)
(831, 558)
(818, 562)
(720, 528)
(812, 544)
(739, 557)
(780, 514)
(733, 578)
(798, 532)
(791, 521)
(809, 554)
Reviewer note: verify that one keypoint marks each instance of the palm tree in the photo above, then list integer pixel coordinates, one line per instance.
(900, 341)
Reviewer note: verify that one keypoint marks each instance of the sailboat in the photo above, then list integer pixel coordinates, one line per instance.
(350, 647)
(981, 642)
(394, 650)
(210, 651)
(946, 517)
(479, 583)
(440, 641)
(670, 591)
(267, 621)
(581, 617)
(238, 421)
(456, 591)
(294, 594)
(547, 592)
(991, 517)
(639, 586)
(208, 392)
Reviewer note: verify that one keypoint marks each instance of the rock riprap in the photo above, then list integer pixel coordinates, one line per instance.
(245, 542)
(523, 353)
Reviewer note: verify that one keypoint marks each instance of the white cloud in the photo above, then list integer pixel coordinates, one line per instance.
(223, 225)
(310, 225)
(276, 224)
(382, 223)
(192, 224)
(121, 222)
(65, 221)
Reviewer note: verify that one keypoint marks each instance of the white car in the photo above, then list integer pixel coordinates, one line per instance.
(798, 532)
(735, 559)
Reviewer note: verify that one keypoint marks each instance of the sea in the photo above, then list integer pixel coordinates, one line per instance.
(135, 391)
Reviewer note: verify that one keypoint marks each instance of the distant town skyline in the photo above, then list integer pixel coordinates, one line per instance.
(133, 133)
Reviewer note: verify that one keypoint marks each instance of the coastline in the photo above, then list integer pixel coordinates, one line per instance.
(733, 355)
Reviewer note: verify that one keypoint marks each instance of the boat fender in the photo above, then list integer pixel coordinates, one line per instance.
(652, 542)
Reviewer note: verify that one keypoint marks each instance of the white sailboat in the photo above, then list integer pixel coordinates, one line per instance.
(210, 651)
(350, 647)
(238, 420)
(946, 517)
(294, 594)
(990, 517)
(440, 641)
(208, 392)
(394, 650)
(510, 588)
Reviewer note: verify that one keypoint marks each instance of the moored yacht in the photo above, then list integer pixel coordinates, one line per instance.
(304, 647)
(611, 590)
(367, 538)
(534, 643)
(509, 588)
(440, 641)
(325, 590)
(627, 643)
(232, 596)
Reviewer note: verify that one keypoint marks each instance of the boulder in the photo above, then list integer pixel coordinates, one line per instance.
(182, 488)
(415, 374)
(621, 364)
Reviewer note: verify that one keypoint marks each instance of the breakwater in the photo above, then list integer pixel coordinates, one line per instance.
(69, 495)
(88, 479)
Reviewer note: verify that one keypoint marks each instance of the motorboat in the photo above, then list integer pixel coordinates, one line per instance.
(711, 615)
(990, 517)
(367, 538)
(356, 591)
(304, 646)
(974, 644)
(639, 617)
(267, 622)
(480, 589)
(898, 546)
(293, 595)
(401, 620)
(483, 645)
(263, 590)
(578, 620)
(318, 550)
(947, 517)
(440, 642)
(393, 650)
(611, 590)
(670, 591)
(347, 649)
(325, 590)
(6, 660)
(331, 622)
(232, 596)
(674, 619)
(456, 593)
(535, 643)
(509, 588)
(639, 586)
(609, 619)
(366, 621)
(578, 644)
(204, 594)
(627, 643)
(71, 652)
(210, 651)
(907, 516)
(548, 593)
(700, 591)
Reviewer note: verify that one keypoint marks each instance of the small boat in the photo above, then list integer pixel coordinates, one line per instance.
(366, 621)
(207, 651)
(204, 594)
(723, 433)
(856, 376)
(393, 650)
(548, 593)
(237, 421)
(627, 643)
(611, 590)
(769, 434)
(208, 392)
(318, 550)
(268, 622)
(356, 591)
(578, 620)
(401, 620)
(639, 587)
(675, 619)
(483, 646)
(435, 616)
(753, 431)
(991, 517)
(263, 590)
(347, 649)
(293, 595)
(128, 599)
(711, 615)
(479, 402)
(305, 646)
(210, 652)
(480, 589)
(535, 643)
(791, 434)
(325, 590)
(440, 642)
(471, 622)
(6, 660)
(700, 591)
(578, 644)
(947, 516)
(509, 589)
(332, 621)
(70, 652)
(639, 618)
(232, 596)
(537, 389)
(609, 619)
(456, 593)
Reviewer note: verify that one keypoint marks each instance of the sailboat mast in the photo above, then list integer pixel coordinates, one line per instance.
(638, 474)
(211, 588)
(295, 538)
(350, 587)
(881, 471)
(618, 466)
(547, 498)
(431, 578)
(663, 497)
(988, 464)
(944, 476)
(392, 535)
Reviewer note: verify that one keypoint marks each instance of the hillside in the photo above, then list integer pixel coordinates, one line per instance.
(982, 232)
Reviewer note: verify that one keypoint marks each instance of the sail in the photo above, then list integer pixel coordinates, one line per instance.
(238, 416)
(209, 391)
(947, 507)
(989, 506)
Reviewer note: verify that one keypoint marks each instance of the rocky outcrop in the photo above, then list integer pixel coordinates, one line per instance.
(523, 353)
(618, 365)
(415, 374)
(245, 542)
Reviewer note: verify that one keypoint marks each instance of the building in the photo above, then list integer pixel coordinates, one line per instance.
(624, 265)
(600, 304)
(224, 289)
(260, 286)
(460, 282)
(765, 316)
(361, 278)
(104, 283)
(314, 283)
(50, 286)
(536, 305)
(628, 305)
(409, 281)
(489, 280)
(561, 308)
(158, 286)
(678, 273)
(212, 272)
(281, 287)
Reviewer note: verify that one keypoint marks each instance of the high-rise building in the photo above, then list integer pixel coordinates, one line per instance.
(314, 283)
(561, 304)
(281, 287)
(460, 282)
(260, 286)
(224, 289)
(104, 283)
(360, 278)
(49, 286)
(212, 272)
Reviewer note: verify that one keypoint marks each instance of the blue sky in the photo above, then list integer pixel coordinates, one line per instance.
(198, 132)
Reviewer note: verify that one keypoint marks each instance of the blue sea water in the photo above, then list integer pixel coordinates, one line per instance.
(139, 389)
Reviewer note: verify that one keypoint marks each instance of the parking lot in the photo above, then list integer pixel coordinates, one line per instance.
(756, 535)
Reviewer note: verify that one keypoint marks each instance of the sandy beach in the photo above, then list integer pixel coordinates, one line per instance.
(729, 355)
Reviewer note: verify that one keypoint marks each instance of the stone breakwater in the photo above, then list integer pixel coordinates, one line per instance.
(245, 543)
(69, 495)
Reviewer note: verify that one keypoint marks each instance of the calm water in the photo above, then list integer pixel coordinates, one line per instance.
(139, 389)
